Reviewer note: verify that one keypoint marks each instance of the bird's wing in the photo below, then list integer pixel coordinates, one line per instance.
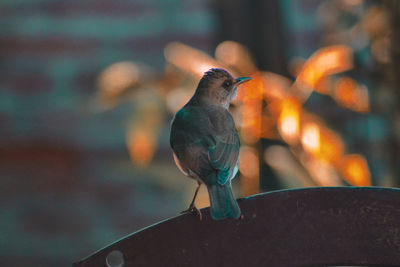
(224, 153)
(190, 126)
(215, 135)
(224, 156)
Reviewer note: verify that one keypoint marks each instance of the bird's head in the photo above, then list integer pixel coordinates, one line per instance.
(217, 86)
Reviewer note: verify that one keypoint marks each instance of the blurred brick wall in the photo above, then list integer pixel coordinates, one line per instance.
(52, 52)
(67, 186)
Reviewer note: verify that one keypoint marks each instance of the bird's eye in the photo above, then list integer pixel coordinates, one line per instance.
(226, 84)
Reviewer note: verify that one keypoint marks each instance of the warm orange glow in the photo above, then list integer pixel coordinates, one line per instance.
(286, 166)
(250, 98)
(250, 106)
(115, 79)
(251, 121)
(289, 119)
(321, 142)
(268, 128)
(236, 56)
(249, 165)
(229, 52)
(351, 95)
(310, 137)
(144, 130)
(275, 86)
(325, 61)
(322, 172)
(252, 89)
(141, 146)
(290, 124)
(345, 88)
(331, 148)
(189, 59)
(310, 75)
(323, 86)
(355, 170)
(202, 199)
(284, 116)
(177, 98)
(249, 169)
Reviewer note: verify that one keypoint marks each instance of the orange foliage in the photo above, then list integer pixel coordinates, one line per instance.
(354, 169)
(350, 95)
(322, 143)
(141, 146)
(326, 61)
(189, 59)
(250, 95)
(289, 119)
(250, 169)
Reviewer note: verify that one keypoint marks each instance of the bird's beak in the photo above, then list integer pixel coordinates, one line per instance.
(242, 80)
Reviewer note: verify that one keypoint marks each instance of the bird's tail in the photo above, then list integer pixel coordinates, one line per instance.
(223, 203)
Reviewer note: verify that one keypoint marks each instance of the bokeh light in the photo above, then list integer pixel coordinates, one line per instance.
(355, 170)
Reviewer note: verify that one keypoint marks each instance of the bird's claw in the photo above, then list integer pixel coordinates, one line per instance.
(192, 209)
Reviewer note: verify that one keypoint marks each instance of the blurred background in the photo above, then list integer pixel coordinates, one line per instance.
(88, 90)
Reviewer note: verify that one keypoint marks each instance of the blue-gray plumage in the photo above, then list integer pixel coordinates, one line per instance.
(206, 143)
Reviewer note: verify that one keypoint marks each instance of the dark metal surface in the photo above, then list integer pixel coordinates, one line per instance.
(317, 227)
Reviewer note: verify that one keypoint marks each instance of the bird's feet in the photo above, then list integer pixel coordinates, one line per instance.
(193, 208)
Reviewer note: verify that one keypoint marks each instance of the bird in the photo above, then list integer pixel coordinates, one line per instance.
(206, 144)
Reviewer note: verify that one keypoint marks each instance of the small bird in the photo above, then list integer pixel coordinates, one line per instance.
(206, 144)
